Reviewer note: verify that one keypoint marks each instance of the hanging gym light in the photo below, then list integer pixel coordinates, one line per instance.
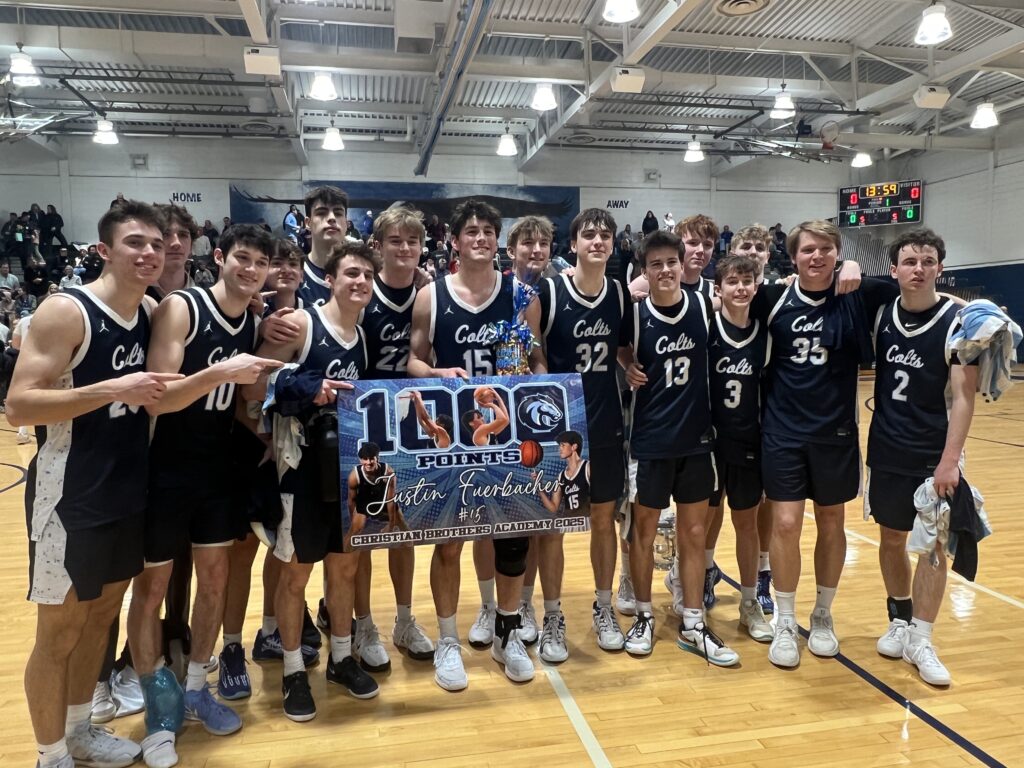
(784, 107)
(23, 72)
(544, 98)
(332, 139)
(694, 154)
(507, 145)
(934, 27)
(861, 160)
(985, 116)
(105, 133)
(620, 11)
(323, 87)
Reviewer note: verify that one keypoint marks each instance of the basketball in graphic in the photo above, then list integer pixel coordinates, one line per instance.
(531, 453)
(484, 395)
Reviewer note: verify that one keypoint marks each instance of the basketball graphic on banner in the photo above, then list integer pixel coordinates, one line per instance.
(531, 453)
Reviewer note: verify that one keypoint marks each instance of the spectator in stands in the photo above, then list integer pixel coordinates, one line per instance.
(56, 264)
(24, 304)
(50, 227)
(725, 240)
(92, 265)
(7, 241)
(70, 278)
(203, 277)
(202, 248)
(211, 232)
(650, 223)
(668, 222)
(226, 221)
(366, 225)
(292, 222)
(435, 233)
(8, 282)
(37, 277)
(8, 308)
(35, 216)
(117, 200)
(352, 233)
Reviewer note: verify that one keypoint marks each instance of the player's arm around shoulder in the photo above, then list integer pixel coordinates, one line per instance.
(284, 351)
(58, 332)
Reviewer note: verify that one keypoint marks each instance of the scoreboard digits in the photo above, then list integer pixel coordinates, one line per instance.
(885, 202)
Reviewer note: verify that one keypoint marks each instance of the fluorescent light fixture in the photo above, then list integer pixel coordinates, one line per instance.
(985, 116)
(23, 72)
(332, 140)
(620, 11)
(861, 160)
(694, 154)
(323, 87)
(104, 133)
(544, 98)
(934, 27)
(784, 107)
(507, 145)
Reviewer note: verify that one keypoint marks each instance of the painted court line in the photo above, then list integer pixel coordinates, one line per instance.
(579, 722)
(954, 736)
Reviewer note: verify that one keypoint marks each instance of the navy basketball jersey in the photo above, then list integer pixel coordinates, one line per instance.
(807, 396)
(271, 305)
(387, 323)
(736, 359)
(575, 490)
(327, 353)
(91, 469)
(703, 286)
(671, 412)
(460, 335)
(196, 438)
(912, 395)
(371, 493)
(582, 335)
(314, 289)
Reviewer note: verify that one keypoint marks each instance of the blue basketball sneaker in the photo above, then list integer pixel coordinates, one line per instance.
(218, 719)
(711, 577)
(764, 592)
(233, 680)
(268, 648)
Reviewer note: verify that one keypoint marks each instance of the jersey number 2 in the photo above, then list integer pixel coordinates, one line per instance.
(902, 380)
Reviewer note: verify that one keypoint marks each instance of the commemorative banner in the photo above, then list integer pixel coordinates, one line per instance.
(425, 461)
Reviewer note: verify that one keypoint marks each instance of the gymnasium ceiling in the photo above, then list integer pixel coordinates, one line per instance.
(453, 75)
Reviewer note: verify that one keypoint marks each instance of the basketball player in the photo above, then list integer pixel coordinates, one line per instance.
(573, 482)
(451, 339)
(916, 433)
(208, 336)
(809, 424)
(81, 379)
(327, 220)
(584, 321)
(371, 491)
(698, 235)
(671, 442)
(440, 430)
(399, 235)
(287, 267)
(529, 243)
(484, 431)
(330, 351)
(737, 350)
(752, 241)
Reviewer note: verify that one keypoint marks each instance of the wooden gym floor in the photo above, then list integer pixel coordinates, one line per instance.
(610, 709)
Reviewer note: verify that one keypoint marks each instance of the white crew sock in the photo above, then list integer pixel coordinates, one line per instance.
(486, 592)
(824, 598)
(293, 662)
(448, 627)
(269, 625)
(762, 562)
(195, 678)
(341, 647)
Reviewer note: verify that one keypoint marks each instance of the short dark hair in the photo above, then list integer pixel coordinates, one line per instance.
(468, 416)
(659, 238)
(597, 216)
(250, 235)
(467, 209)
(286, 249)
(369, 451)
(180, 214)
(916, 237)
(358, 249)
(326, 194)
(445, 422)
(738, 264)
(129, 210)
(571, 437)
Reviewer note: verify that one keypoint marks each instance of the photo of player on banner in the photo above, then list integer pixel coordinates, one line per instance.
(448, 459)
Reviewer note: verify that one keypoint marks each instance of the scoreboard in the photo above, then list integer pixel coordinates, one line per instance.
(884, 202)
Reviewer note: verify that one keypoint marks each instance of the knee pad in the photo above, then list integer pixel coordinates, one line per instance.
(165, 701)
(510, 556)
